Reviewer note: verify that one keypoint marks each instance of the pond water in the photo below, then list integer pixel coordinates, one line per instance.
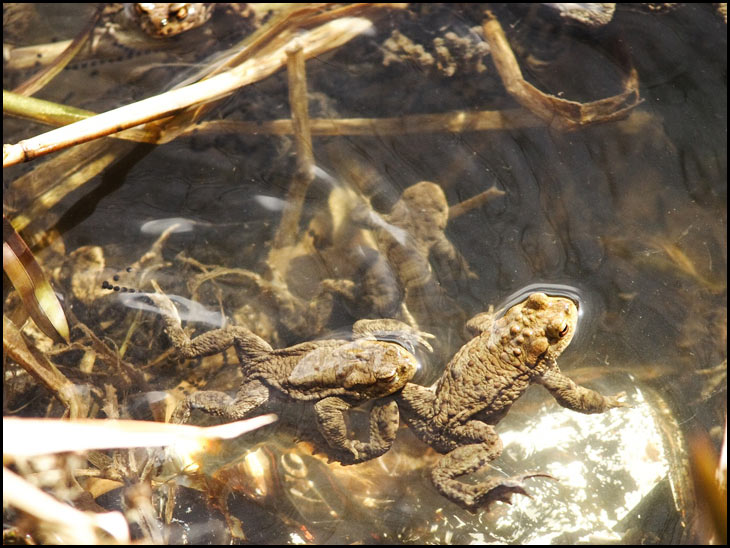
(628, 218)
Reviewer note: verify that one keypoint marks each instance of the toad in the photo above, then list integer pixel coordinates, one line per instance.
(333, 375)
(412, 236)
(394, 265)
(165, 20)
(413, 269)
(480, 384)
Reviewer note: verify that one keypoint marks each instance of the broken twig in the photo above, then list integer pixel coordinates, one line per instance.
(559, 113)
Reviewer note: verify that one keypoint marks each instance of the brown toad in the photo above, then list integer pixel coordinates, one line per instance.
(480, 384)
(412, 236)
(333, 374)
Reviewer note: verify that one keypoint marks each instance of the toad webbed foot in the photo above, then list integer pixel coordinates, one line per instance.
(497, 490)
(617, 400)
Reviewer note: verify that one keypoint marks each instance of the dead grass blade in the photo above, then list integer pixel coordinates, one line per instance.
(42, 369)
(35, 291)
(69, 525)
(31, 437)
(51, 181)
(39, 80)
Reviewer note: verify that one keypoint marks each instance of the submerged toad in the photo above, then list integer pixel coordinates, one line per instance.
(412, 271)
(413, 238)
(333, 374)
(480, 384)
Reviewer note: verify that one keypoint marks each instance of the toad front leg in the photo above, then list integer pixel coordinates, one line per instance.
(251, 395)
(247, 344)
(574, 397)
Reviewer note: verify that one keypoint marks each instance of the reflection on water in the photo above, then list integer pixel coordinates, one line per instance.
(628, 219)
(603, 467)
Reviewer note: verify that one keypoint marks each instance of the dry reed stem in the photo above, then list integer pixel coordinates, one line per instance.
(299, 102)
(55, 114)
(448, 122)
(288, 229)
(316, 42)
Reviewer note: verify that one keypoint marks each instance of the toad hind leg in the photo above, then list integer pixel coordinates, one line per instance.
(470, 458)
(251, 395)
(383, 421)
(247, 344)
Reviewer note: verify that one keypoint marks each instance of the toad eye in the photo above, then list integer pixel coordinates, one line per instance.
(387, 376)
(181, 13)
(557, 330)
